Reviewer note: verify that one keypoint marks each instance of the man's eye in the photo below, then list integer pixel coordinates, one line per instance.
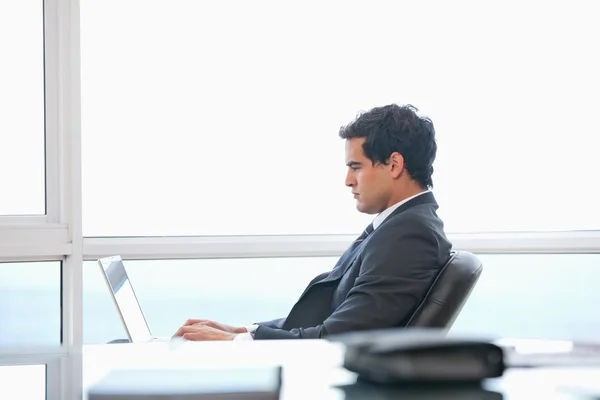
(354, 169)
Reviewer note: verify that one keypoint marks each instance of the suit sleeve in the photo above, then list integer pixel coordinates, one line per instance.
(395, 275)
(275, 324)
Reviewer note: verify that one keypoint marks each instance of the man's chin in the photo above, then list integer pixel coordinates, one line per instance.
(361, 208)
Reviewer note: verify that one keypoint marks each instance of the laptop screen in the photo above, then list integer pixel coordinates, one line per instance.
(125, 299)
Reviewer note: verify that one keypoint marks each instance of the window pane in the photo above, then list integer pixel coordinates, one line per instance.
(22, 158)
(537, 296)
(552, 296)
(23, 382)
(225, 120)
(30, 304)
(232, 291)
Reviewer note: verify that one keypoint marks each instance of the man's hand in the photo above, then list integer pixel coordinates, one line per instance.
(216, 325)
(203, 332)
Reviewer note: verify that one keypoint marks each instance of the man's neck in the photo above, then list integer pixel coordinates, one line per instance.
(388, 211)
(406, 193)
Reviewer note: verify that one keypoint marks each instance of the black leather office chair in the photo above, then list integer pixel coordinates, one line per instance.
(449, 292)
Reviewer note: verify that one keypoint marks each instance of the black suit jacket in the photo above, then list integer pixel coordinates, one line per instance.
(377, 284)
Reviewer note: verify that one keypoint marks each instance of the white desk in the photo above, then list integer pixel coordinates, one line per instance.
(312, 370)
(316, 361)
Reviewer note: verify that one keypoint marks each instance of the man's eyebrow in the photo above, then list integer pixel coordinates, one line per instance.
(352, 163)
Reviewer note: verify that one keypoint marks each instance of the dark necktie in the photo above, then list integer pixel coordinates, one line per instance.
(349, 253)
(359, 239)
(363, 235)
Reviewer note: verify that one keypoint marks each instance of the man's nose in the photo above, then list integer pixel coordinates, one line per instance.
(350, 179)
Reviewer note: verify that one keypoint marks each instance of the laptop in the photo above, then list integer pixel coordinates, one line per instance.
(126, 301)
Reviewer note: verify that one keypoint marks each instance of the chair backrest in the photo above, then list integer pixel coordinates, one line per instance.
(449, 292)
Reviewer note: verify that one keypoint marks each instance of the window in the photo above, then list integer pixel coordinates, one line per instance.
(204, 121)
(534, 296)
(22, 170)
(30, 304)
(23, 382)
(518, 295)
(232, 291)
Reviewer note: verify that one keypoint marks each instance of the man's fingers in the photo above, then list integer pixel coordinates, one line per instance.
(194, 321)
(179, 332)
(187, 329)
(203, 332)
(209, 324)
(198, 331)
(193, 336)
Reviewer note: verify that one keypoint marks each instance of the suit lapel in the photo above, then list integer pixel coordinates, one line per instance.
(346, 261)
(348, 258)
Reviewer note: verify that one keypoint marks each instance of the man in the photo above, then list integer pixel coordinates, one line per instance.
(383, 276)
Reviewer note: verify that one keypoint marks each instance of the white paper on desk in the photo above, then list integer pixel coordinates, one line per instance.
(539, 352)
(534, 346)
(261, 383)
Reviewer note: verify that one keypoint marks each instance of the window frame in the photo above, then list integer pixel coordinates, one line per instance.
(154, 248)
(56, 236)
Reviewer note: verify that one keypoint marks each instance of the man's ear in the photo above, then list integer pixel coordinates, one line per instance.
(396, 164)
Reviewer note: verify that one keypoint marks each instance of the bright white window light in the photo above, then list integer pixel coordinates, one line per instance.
(222, 118)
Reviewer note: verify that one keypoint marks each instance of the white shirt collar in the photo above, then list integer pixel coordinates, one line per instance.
(386, 213)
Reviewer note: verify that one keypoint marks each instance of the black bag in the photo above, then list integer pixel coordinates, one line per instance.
(420, 355)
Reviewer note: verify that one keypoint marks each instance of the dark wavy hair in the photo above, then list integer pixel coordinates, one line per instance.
(394, 128)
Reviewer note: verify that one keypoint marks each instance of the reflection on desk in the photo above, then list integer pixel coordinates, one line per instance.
(365, 390)
(257, 383)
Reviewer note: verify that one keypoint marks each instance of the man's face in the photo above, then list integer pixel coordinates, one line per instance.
(371, 184)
